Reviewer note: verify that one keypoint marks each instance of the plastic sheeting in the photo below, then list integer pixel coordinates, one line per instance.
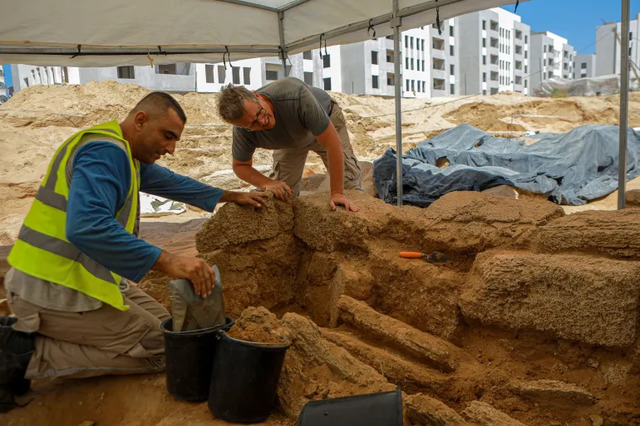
(572, 168)
(594, 86)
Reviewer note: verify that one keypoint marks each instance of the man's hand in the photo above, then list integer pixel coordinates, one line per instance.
(280, 189)
(338, 199)
(194, 269)
(254, 199)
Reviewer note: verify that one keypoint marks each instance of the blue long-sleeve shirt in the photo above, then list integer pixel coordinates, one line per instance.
(99, 184)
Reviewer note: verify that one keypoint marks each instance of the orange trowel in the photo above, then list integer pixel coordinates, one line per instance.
(435, 257)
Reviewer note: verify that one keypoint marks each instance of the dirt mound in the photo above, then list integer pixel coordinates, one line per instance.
(524, 113)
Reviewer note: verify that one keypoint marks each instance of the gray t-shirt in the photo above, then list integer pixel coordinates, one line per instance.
(301, 113)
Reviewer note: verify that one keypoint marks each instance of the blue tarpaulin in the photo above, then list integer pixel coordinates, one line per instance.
(572, 168)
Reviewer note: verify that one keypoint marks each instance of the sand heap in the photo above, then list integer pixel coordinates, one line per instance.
(534, 319)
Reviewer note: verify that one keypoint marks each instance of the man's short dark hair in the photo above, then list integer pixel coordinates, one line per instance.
(156, 104)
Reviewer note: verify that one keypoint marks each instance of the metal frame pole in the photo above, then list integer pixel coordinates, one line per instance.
(397, 63)
(624, 104)
(283, 52)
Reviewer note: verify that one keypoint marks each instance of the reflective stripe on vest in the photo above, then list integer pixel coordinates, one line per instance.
(42, 249)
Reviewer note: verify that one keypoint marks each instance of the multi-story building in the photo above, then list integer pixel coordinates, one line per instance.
(551, 57)
(494, 52)
(22, 76)
(608, 39)
(584, 66)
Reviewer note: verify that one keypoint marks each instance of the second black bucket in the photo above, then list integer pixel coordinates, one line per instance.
(189, 356)
(244, 379)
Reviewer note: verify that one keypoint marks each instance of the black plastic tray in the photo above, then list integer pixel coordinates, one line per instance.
(374, 409)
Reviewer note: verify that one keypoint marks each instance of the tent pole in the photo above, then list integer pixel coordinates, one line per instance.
(395, 23)
(624, 104)
(283, 53)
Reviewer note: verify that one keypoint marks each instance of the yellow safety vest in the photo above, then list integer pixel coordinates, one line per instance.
(42, 249)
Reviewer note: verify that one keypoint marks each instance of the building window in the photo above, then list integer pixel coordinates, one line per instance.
(407, 82)
(451, 51)
(374, 57)
(235, 73)
(452, 69)
(422, 61)
(411, 63)
(484, 24)
(391, 81)
(271, 75)
(526, 39)
(390, 56)
(484, 42)
(451, 30)
(406, 63)
(418, 65)
(484, 92)
(406, 42)
(306, 55)
(326, 61)
(246, 71)
(166, 69)
(423, 87)
(308, 78)
(438, 84)
(413, 85)
(126, 72)
(411, 42)
(583, 66)
(208, 72)
(525, 84)
(438, 43)
(374, 82)
(484, 77)
(327, 83)
(484, 59)
(422, 43)
(221, 74)
(452, 89)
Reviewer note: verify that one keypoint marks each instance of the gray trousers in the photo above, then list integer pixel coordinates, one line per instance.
(288, 164)
(94, 343)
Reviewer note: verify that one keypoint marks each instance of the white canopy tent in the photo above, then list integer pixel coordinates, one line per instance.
(119, 32)
(122, 32)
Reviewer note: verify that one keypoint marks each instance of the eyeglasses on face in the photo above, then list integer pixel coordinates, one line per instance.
(259, 117)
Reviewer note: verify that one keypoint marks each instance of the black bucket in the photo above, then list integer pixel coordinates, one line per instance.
(244, 379)
(189, 356)
(374, 409)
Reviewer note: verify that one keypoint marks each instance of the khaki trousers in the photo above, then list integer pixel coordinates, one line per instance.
(288, 164)
(94, 343)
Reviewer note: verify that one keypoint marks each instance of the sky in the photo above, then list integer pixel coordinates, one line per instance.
(575, 20)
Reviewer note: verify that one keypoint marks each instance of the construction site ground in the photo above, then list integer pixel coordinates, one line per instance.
(533, 320)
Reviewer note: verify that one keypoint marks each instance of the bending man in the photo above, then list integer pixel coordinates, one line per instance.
(78, 248)
(292, 118)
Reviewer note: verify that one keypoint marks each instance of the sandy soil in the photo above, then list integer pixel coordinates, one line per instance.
(446, 350)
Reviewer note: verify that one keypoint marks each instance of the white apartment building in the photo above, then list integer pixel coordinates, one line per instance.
(584, 66)
(551, 57)
(608, 39)
(494, 52)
